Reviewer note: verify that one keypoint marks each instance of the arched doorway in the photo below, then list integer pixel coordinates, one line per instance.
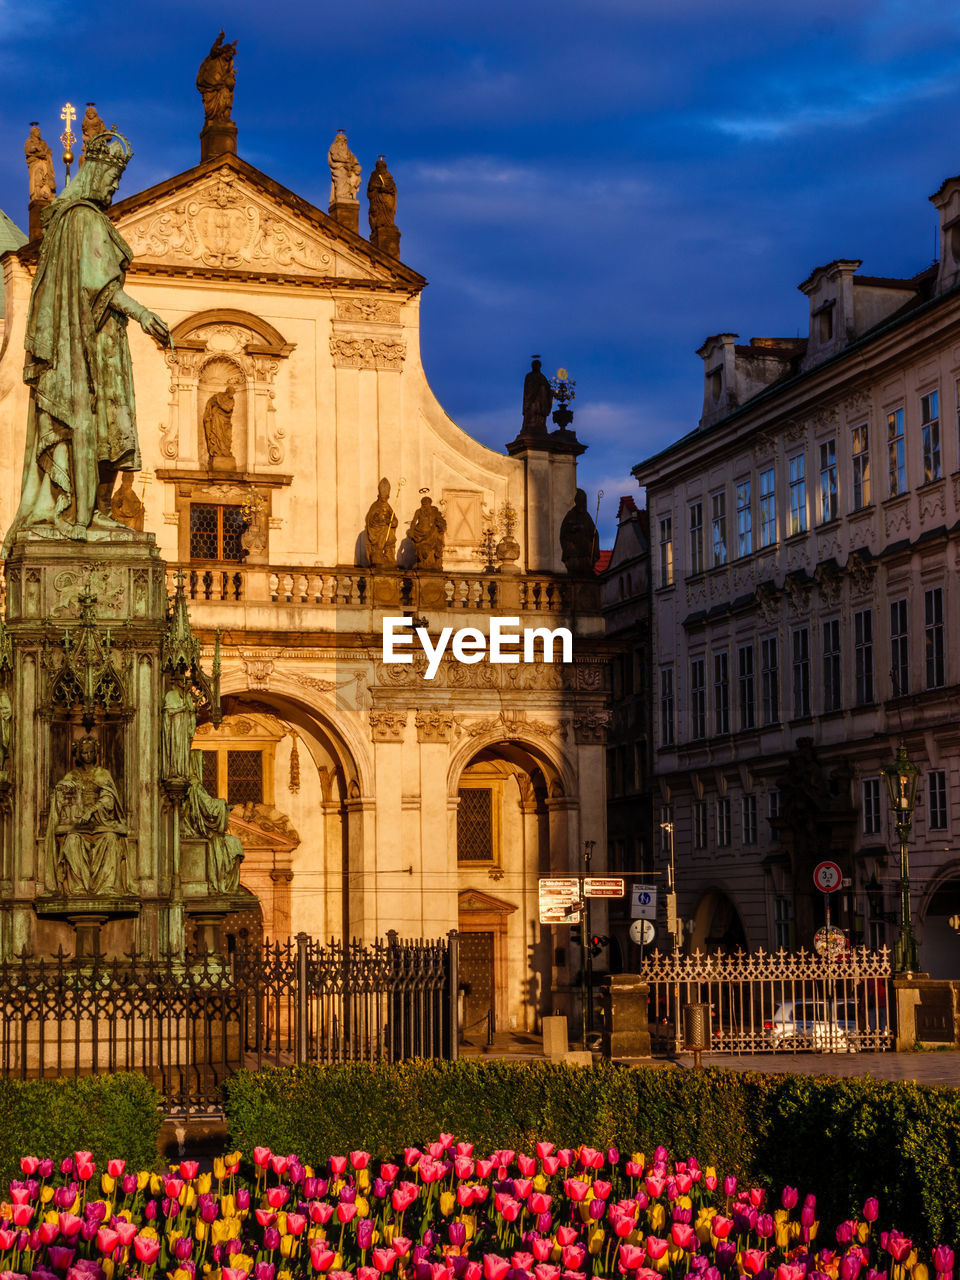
(717, 925)
(939, 943)
(513, 820)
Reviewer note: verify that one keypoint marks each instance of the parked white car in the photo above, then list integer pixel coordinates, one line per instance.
(815, 1024)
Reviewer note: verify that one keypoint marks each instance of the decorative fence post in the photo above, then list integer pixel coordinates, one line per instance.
(303, 998)
(452, 1038)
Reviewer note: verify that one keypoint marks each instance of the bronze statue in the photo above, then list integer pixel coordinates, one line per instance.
(81, 430)
(6, 733)
(86, 834)
(125, 506)
(345, 171)
(176, 734)
(537, 402)
(218, 422)
(43, 184)
(426, 533)
(579, 543)
(216, 80)
(205, 816)
(90, 126)
(382, 195)
(381, 530)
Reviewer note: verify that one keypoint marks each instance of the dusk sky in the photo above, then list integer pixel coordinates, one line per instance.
(604, 183)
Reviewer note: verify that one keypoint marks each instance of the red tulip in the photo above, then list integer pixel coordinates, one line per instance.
(634, 1168)
(572, 1255)
(786, 1271)
(338, 1164)
(544, 1149)
(510, 1209)
(542, 1248)
(70, 1224)
(146, 1250)
(463, 1166)
(320, 1211)
(296, 1222)
(346, 1212)
(590, 1158)
(753, 1261)
(28, 1165)
(682, 1235)
(622, 1223)
(60, 1258)
(189, 1169)
(721, 1226)
(484, 1167)
(19, 1195)
(389, 1171)
(47, 1232)
(540, 1202)
(464, 1148)
(527, 1165)
(522, 1187)
(403, 1196)
(566, 1235)
(631, 1256)
(602, 1189)
(942, 1259)
(172, 1187)
(550, 1165)
(411, 1155)
(898, 1245)
(321, 1255)
(233, 1273)
(7, 1240)
(494, 1267)
(684, 1182)
(656, 1247)
(85, 1164)
(383, 1260)
(21, 1214)
(261, 1157)
(277, 1197)
(655, 1185)
(359, 1159)
(871, 1208)
(107, 1240)
(401, 1246)
(565, 1155)
(115, 1168)
(545, 1271)
(576, 1190)
(266, 1217)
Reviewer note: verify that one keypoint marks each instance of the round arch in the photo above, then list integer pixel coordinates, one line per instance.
(272, 341)
(940, 944)
(518, 748)
(717, 925)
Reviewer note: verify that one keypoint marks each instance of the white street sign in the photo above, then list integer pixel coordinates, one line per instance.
(827, 876)
(603, 887)
(559, 900)
(641, 932)
(643, 902)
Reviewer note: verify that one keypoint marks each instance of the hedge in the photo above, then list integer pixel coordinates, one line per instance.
(841, 1139)
(110, 1115)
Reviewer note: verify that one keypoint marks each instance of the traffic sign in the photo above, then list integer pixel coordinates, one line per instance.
(830, 942)
(827, 876)
(560, 900)
(603, 887)
(641, 932)
(643, 902)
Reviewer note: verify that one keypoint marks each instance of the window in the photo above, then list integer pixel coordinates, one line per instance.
(872, 813)
(699, 824)
(744, 519)
(930, 434)
(698, 698)
(896, 453)
(244, 777)
(769, 680)
(666, 828)
(748, 696)
(749, 812)
(832, 690)
(666, 551)
(899, 648)
(861, 468)
(696, 537)
(782, 923)
(666, 707)
(801, 673)
(723, 822)
(863, 655)
(937, 800)
(933, 636)
(475, 833)
(828, 481)
(209, 774)
(721, 693)
(215, 532)
(718, 509)
(825, 323)
(773, 814)
(798, 494)
(768, 508)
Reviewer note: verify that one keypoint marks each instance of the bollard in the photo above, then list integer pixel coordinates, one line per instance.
(696, 1030)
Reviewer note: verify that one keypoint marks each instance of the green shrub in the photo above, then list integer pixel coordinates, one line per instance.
(840, 1139)
(115, 1115)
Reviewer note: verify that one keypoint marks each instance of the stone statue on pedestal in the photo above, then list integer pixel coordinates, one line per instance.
(218, 424)
(537, 401)
(90, 126)
(86, 833)
(43, 184)
(579, 542)
(81, 430)
(345, 170)
(382, 201)
(205, 816)
(216, 80)
(381, 530)
(176, 734)
(426, 533)
(125, 506)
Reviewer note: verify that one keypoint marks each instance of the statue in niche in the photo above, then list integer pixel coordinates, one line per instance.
(205, 816)
(381, 530)
(81, 431)
(43, 184)
(579, 543)
(90, 126)
(218, 425)
(426, 533)
(6, 733)
(537, 401)
(345, 171)
(216, 80)
(125, 506)
(178, 726)
(86, 834)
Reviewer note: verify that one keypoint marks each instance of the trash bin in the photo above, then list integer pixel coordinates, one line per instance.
(696, 1029)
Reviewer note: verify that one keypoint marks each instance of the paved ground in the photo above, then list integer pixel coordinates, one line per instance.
(933, 1067)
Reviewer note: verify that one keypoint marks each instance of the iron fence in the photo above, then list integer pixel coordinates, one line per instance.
(189, 1024)
(781, 1003)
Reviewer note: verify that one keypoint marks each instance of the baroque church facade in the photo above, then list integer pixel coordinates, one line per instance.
(289, 438)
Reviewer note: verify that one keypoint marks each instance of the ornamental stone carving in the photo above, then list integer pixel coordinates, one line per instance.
(590, 727)
(434, 726)
(370, 309)
(387, 726)
(258, 672)
(511, 724)
(797, 592)
(896, 519)
(862, 572)
(931, 502)
(829, 582)
(768, 601)
(361, 352)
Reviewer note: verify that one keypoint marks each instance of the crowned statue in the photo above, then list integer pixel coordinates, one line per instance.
(86, 833)
(81, 427)
(381, 530)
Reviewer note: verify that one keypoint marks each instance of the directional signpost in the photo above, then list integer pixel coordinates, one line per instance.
(827, 877)
(610, 887)
(643, 902)
(560, 900)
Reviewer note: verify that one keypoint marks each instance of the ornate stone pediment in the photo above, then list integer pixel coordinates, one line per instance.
(477, 900)
(230, 217)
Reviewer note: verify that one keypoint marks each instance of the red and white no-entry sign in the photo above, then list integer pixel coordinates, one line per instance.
(827, 876)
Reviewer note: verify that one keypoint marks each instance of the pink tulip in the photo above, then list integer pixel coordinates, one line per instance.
(233, 1273)
(319, 1211)
(346, 1212)
(566, 1156)
(21, 1214)
(898, 1245)
(321, 1255)
(527, 1165)
(631, 1256)
(544, 1149)
(296, 1222)
(656, 1247)
(47, 1232)
(545, 1271)
(871, 1208)
(572, 1255)
(522, 1187)
(401, 1246)
(389, 1171)
(602, 1189)
(682, 1235)
(789, 1197)
(7, 1240)
(522, 1261)
(494, 1267)
(942, 1259)
(550, 1165)
(540, 1202)
(463, 1166)
(721, 1226)
(29, 1165)
(277, 1197)
(411, 1155)
(338, 1164)
(261, 1157)
(265, 1217)
(189, 1169)
(655, 1186)
(107, 1240)
(85, 1165)
(359, 1159)
(787, 1272)
(566, 1235)
(383, 1260)
(542, 1248)
(576, 1190)
(753, 1261)
(634, 1169)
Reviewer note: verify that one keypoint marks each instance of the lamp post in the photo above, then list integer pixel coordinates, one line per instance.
(901, 778)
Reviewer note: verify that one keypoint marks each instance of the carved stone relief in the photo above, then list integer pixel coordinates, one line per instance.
(897, 518)
(768, 602)
(829, 582)
(371, 309)
(434, 726)
(862, 573)
(798, 593)
(387, 726)
(590, 727)
(931, 502)
(368, 353)
(512, 724)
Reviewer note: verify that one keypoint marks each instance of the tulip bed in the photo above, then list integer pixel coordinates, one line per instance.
(440, 1212)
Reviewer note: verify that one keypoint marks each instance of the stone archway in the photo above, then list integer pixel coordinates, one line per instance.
(717, 925)
(939, 943)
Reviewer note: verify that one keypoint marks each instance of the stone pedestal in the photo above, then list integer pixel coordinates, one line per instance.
(625, 1031)
(555, 1042)
(347, 213)
(223, 462)
(387, 240)
(218, 140)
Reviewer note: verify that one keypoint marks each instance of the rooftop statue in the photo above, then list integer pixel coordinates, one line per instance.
(43, 184)
(90, 126)
(81, 427)
(579, 542)
(345, 170)
(381, 530)
(426, 533)
(537, 401)
(216, 80)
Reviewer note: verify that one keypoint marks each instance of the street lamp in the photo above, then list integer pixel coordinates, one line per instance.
(901, 778)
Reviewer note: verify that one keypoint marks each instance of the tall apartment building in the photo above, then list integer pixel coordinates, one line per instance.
(805, 541)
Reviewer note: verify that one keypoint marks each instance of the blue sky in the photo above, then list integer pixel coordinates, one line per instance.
(605, 183)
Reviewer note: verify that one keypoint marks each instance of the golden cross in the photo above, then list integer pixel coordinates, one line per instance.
(68, 137)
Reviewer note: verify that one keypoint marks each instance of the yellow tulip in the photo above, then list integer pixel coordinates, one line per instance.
(363, 1179)
(595, 1241)
(702, 1232)
(180, 1274)
(584, 1210)
(539, 1183)
(228, 1206)
(221, 1230)
(108, 1268)
(242, 1260)
(52, 1216)
(145, 1178)
(363, 1206)
(448, 1202)
(307, 1169)
(638, 1158)
(200, 1229)
(156, 1184)
(46, 1194)
(780, 1216)
(657, 1215)
(188, 1196)
(389, 1231)
(108, 1183)
(288, 1246)
(783, 1235)
(469, 1220)
(337, 1264)
(920, 1271)
(284, 1275)
(684, 1202)
(555, 1253)
(675, 1253)
(863, 1232)
(204, 1184)
(710, 1171)
(150, 1233)
(172, 1238)
(219, 1168)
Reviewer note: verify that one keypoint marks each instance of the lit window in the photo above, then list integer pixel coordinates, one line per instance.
(215, 532)
(897, 454)
(475, 824)
(828, 481)
(798, 494)
(768, 508)
(930, 435)
(718, 505)
(696, 537)
(744, 519)
(244, 777)
(666, 551)
(861, 467)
